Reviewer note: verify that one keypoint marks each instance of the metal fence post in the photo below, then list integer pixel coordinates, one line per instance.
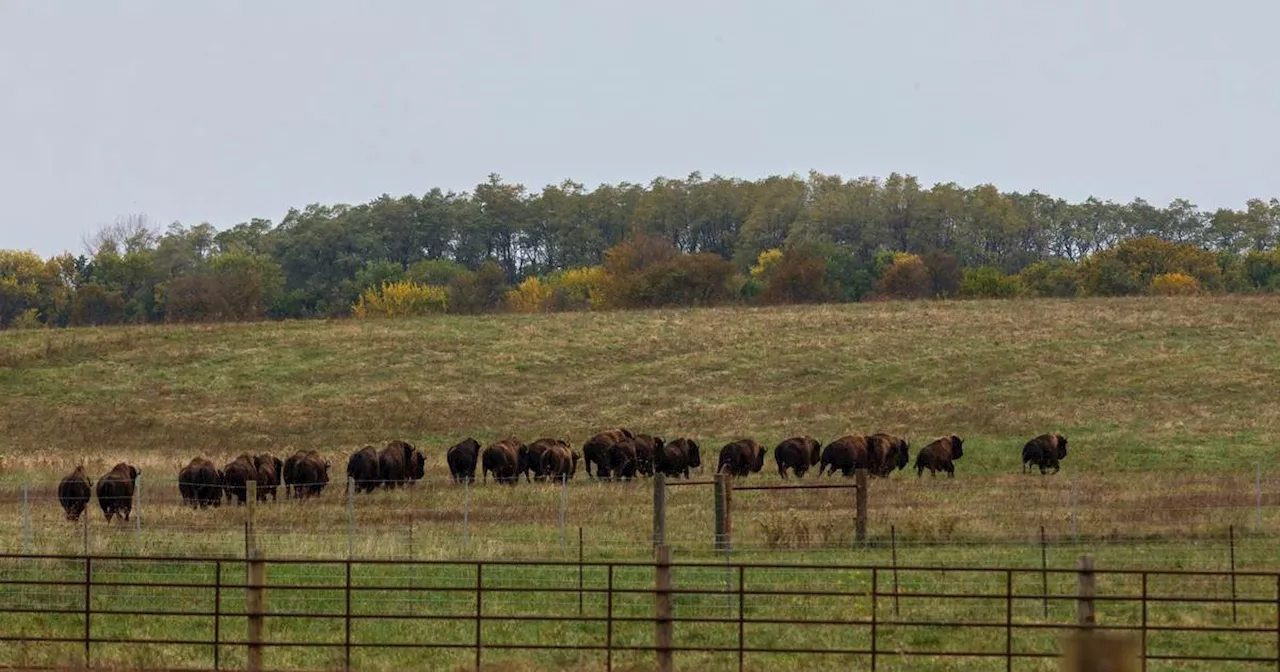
(346, 649)
(1231, 543)
(1008, 620)
(217, 614)
(608, 621)
(351, 515)
(742, 613)
(255, 607)
(466, 511)
(875, 590)
(88, 608)
(659, 510)
(479, 610)
(1044, 571)
(893, 546)
(860, 477)
(26, 521)
(86, 517)
(721, 512)
(564, 509)
(250, 509)
(662, 624)
(137, 513)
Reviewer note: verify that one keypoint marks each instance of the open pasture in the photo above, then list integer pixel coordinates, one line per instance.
(1168, 404)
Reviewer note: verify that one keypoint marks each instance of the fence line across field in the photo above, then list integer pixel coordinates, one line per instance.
(153, 493)
(647, 594)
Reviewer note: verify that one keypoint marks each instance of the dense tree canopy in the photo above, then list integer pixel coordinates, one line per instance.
(672, 242)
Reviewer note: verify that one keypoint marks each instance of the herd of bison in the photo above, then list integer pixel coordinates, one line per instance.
(617, 454)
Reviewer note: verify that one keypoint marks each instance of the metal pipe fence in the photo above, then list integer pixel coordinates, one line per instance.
(219, 613)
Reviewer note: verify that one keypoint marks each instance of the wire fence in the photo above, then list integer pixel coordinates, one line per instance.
(218, 613)
(1193, 521)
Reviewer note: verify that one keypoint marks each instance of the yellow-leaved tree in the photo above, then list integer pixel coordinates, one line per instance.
(401, 299)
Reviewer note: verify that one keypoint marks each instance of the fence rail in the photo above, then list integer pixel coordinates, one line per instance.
(220, 613)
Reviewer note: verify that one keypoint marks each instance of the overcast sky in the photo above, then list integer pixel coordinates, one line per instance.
(224, 110)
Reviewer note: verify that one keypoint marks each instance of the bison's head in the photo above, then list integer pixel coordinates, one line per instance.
(695, 454)
(957, 447)
(626, 432)
(134, 473)
(419, 465)
(1062, 447)
(573, 469)
(903, 456)
(759, 463)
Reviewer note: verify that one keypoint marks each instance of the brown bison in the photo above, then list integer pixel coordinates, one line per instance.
(306, 473)
(200, 483)
(362, 468)
(533, 463)
(463, 458)
(268, 468)
(797, 454)
(115, 490)
(741, 458)
(400, 463)
(1044, 451)
(847, 454)
(886, 452)
(596, 451)
(676, 458)
(647, 448)
(624, 460)
(236, 475)
(940, 456)
(559, 462)
(505, 459)
(74, 492)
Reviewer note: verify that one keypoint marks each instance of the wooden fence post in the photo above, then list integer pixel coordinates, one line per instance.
(659, 510)
(255, 607)
(1085, 589)
(662, 632)
(860, 477)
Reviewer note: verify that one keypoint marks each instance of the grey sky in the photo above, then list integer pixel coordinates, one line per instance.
(224, 110)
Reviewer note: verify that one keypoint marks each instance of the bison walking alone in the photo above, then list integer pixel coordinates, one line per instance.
(741, 458)
(676, 458)
(797, 454)
(940, 456)
(463, 458)
(1044, 451)
(115, 490)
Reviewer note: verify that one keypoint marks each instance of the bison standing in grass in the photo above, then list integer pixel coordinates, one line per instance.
(115, 490)
(559, 462)
(306, 473)
(596, 451)
(268, 468)
(940, 456)
(362, 467)
(886, 453)
(74, 493)
(846, 454)
(505, 459)
(676, 458)
(200, 483)
(400, 463)
(1044, 451)
(797, 454)
(741, 458)
(463, 458)
(533, 468)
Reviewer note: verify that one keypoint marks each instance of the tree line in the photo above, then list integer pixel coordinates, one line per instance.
(691, 241)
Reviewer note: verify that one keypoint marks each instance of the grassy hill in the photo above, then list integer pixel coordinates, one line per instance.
(1137, 384)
